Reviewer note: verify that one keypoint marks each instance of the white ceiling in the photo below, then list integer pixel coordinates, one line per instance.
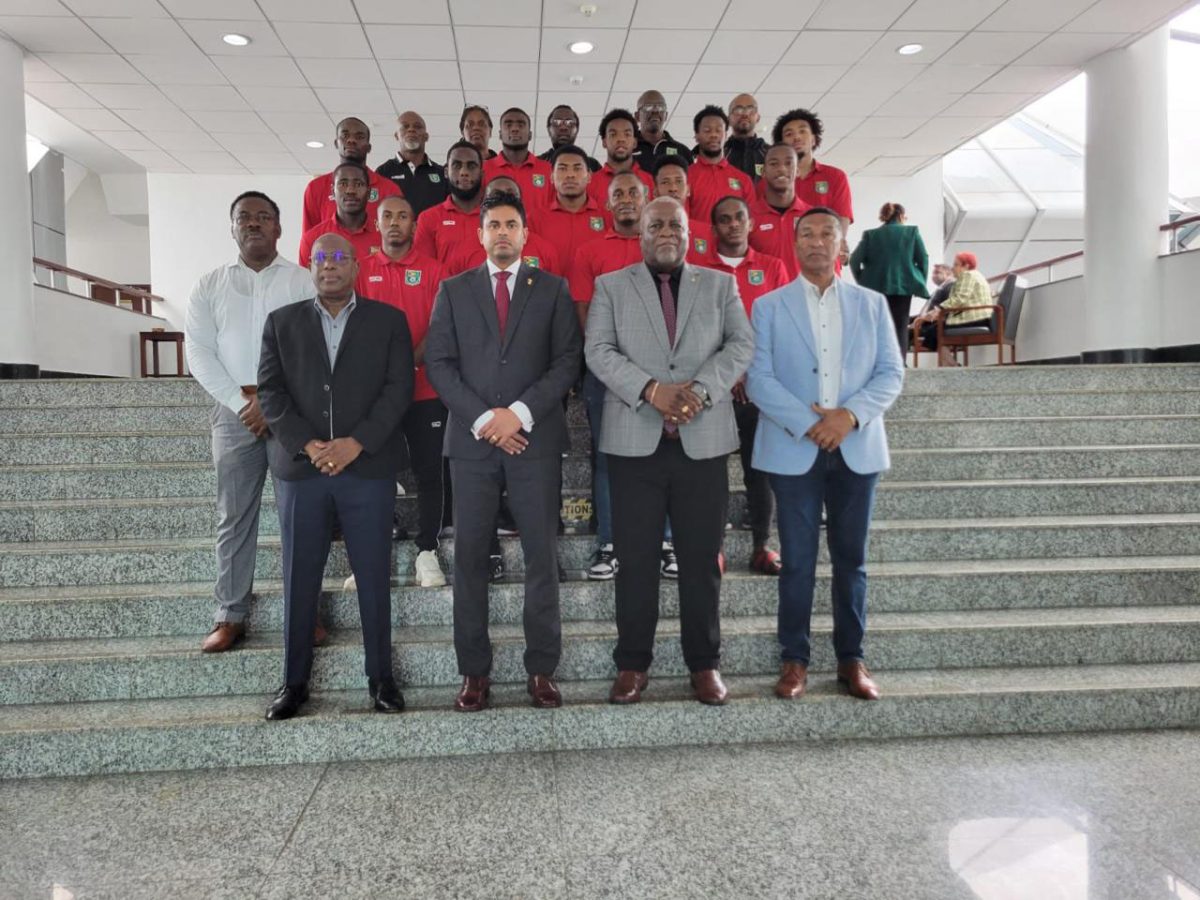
(123, 84)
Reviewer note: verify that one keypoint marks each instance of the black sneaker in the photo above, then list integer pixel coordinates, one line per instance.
(670, 565)
(497, 568)
(604, 564)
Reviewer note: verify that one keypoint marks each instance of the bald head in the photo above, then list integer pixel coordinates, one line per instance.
(411, 133)
(333, 268)
(652, 115)
(743, 115)
(502, 185)
(664, 234)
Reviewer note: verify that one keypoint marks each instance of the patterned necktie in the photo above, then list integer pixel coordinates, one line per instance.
(668, 307)
(502, 299)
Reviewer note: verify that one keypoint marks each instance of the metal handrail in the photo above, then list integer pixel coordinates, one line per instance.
(139, 300)
(1045, 264)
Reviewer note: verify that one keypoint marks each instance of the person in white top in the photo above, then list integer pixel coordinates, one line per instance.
(225, 317)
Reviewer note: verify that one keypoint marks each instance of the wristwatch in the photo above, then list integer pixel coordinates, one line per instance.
(702, 392)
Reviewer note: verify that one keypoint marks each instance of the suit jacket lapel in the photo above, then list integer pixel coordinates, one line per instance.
(648, 291)
(795, 301)
(352, 324)
(316, 334)
(685, 301)
(486, 300)
(525, 283)
(851, 309)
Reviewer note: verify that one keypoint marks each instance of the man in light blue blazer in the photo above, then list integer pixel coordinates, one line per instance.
(826, 367)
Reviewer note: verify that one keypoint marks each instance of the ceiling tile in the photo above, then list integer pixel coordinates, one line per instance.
(838, 127)
(958, 127)
(412, 41)
(126, 140)
(213, 9)
(177, 68)
(499, 44)
(355, 101)
(309, 10)
(428, 103)
(229, 121)
(894, 165)
(266, 71)
(338, 41)
(940, 15)
(209, 33)
(52, 33)
(155, 121)
(850, 104)
(481, 76)
(770, 106)
(33, 8)
(98, 119)
(738, 47)
(347, 73)
(782, 14)
(934, 44)
(1065, 49)
(129, 96)
(268, 162)
(281, 99)
(941, 76)
(498, 101)
(871, 79)
(431, 75)
(926, 102)
(833, 48)
(249, 143)
(808, 79)
(1027, 79)
(556, 43)
(996, 47)
(1124, 15)
(158, 160)
(427, 12)
(678, 14)
(315, 125)
(998, 105)
(206, 97)
(100, 68)
(38, 71)
(1017, 15)
(585, 103)
(513, 13)
(556, 77)
(877, 14)
(648, 45)
(62, 95)
(143, 35)
(208, 160)
(889, 126)
(726, 82)
(566, 14)
(640, 77)
(124, 9)
(184, 140)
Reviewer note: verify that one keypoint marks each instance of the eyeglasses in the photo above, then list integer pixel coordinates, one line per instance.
(338, 257)
(743, 110)
(653, 108)
(262, 218)
(563, 123)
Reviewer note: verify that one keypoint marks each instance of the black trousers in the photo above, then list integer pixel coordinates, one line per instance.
(425, 430)
(899, 306)
(535, 498)
(760, 503)
(695, 493)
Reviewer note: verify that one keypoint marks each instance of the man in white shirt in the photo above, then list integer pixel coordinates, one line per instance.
(224, 329)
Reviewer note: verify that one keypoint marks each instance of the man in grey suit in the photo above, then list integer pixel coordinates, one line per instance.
(668, 340)
(503, 349)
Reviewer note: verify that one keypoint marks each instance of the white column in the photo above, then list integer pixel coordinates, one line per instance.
(1125, 200)
(17, 348)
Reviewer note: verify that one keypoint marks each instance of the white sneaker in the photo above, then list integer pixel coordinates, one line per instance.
(604, 564)
(350, 584)
(428, 572)
(670, 566)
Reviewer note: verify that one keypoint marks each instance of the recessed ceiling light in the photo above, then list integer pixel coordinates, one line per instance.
(314, 145)
(235, 40)
(582, 47)
(909, 49)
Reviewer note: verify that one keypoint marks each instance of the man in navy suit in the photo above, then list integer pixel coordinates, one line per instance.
(826, 367)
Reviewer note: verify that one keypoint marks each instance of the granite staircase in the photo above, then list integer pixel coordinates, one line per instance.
(1035, 567)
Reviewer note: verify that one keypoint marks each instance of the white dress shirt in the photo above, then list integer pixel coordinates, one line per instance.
(825, 313)
(518, 406)
(334, 328)
(225, 318)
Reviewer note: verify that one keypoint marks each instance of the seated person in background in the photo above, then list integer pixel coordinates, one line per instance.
(970, 293)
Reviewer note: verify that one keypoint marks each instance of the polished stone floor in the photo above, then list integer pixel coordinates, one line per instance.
(1047, 818)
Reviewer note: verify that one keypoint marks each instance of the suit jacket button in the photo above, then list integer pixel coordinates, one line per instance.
(814, 371)
(671, 366)
(326, 387)
(325, 413)
(504, 362)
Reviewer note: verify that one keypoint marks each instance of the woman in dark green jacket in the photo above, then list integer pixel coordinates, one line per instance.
(891, 259)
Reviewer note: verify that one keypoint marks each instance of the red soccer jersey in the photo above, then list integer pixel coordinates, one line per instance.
(569, 231)
(409, 284)
(538, 253)
(709, 182)
(774, 233)
(533, 176)
(365, 240)
(598, 186)
(318, 197)
(444, 229)
(757, 274)
(700, 241)
(826, 186)
(598, 258)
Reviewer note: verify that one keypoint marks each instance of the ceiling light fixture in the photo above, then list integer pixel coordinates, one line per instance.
(909, 49)
(581, 47)
(314, 145)
(235, 40)
(576, 80)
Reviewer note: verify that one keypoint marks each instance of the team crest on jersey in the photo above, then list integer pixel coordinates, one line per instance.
(373, 250)
(532, 261)
(756, 276)
(671, 151)
(412, 276)
(758, 169)
(434, 177)
(373, 197)
(539, 180)
(701, 245)
(822, 187)
(735, 183)
(596, 223)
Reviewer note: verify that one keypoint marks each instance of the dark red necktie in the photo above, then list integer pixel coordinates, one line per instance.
(667, 298)
(502, 299)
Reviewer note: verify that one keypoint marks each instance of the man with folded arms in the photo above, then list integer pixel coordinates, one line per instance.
(826, 367)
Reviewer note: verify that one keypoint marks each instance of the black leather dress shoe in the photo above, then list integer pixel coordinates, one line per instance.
(287, 702)
(385, 696)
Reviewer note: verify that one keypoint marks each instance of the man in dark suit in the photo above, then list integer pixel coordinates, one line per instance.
(334, 380)
(502, 351)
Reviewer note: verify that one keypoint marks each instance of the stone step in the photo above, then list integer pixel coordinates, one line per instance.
(208, 732)
(142, 610)
(191, 559)
(165, 666)
(926, 407)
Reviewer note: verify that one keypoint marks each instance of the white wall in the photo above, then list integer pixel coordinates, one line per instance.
(86, 337)
(101, 244)
(189, 227)
(1180, 318)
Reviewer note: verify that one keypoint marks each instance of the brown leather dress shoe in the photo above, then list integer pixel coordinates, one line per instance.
(544, 691)
(628, 686)
(709, 688)
(224, 636)
(857, 679)
(474, 693)
(793, 681)
(320, 635)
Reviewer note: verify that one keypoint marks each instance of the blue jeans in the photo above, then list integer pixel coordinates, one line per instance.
(848, 498)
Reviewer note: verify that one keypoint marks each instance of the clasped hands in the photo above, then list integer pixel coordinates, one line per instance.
(332, 457)
(252, 417)
(677, 403)
(503, 430)
(831, 429)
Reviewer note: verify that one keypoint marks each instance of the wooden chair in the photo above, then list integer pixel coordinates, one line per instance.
(154, 338)
(998, 331)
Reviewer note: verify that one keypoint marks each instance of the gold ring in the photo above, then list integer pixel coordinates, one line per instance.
(329, 464)
(685, 409)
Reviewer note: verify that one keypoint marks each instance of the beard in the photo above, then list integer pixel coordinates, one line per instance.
(467, 194)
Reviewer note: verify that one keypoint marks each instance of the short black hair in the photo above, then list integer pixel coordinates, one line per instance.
(253, 195)
(783, 145)
(709, 110)
(616, 115)
(817, 211)
(669, 159)
(354, 164)
(712, 214)
(568, 150)
(464, 145)
(550, 115)
(516, 109)
(361, 122)
(496, 201)
(798, 115)
(462, 120)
